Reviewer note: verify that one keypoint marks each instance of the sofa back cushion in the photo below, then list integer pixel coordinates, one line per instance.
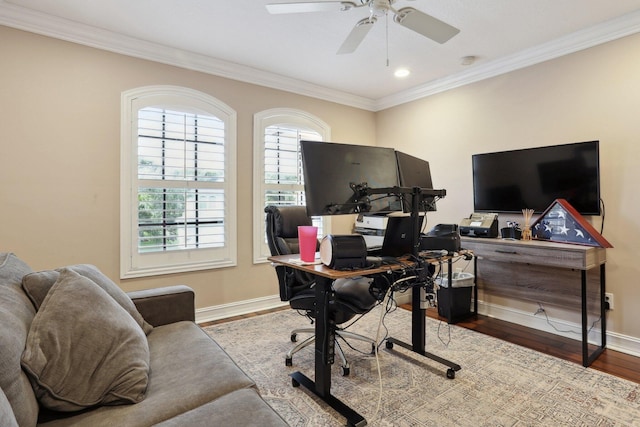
(16, 314)
(84, 349)
(37, 286)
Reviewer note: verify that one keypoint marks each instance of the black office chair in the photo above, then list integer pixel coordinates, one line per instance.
(352, 297)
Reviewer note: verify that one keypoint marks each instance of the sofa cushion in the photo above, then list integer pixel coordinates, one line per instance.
(16, 314)
(37, 285)
(84, 349)
(188, 370)
(239, 408)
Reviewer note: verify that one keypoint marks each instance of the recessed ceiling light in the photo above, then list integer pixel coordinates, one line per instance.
(401, 73)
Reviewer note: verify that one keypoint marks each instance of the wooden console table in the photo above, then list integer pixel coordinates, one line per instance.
(553, 273)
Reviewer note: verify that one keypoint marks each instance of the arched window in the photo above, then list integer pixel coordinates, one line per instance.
(278, 175)
(178, 204)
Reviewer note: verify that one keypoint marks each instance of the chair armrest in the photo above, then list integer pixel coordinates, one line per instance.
(161, 306)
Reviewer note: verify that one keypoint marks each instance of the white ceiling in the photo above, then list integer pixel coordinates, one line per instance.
(297, 52)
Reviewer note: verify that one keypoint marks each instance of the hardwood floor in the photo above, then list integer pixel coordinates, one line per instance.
(612, 362)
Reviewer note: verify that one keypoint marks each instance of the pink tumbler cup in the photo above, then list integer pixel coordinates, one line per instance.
(307, 239)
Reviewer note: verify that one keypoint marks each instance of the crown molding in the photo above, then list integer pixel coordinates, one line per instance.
(608, 31)
(36, 22)
(32, 21)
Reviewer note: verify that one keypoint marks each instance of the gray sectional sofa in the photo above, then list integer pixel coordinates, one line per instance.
(76, 350)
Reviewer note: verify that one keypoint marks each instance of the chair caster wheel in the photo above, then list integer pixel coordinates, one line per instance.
(373, 349)
(345, 371)
(288, 361)
(451, 374)
(294, 337)
(295, 383)
(389, 344)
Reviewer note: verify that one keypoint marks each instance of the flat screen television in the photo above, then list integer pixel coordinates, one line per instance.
(415, 172)
(333, 171)
(509, 181)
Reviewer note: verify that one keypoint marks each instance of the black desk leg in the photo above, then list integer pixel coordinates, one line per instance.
(587, 359)
(418, 325)
(324, 356)
(603, 311)
(475, 285)
(418, 333)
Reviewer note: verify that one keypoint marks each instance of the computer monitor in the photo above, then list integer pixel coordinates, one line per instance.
(337, 175)
(415, 172)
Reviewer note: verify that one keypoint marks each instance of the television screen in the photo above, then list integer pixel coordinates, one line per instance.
(415, 172)
(509, 181)
(333, 171)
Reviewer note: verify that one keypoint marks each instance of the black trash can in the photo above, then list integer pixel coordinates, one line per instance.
(454, 303)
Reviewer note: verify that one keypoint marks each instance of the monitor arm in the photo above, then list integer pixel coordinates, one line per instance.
(416, 194)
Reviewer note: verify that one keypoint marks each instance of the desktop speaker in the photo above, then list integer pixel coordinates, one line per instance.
(343, 252)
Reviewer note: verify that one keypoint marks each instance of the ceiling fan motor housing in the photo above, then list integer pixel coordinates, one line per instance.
(381, 5)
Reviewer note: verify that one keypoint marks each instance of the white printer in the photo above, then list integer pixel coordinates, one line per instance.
(372, 227)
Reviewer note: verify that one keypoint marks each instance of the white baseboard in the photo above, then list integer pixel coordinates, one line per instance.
(217, 312)
(615, 341)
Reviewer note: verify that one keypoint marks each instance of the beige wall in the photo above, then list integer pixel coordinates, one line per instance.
(593, 94)
(60, 161)
(60, 145)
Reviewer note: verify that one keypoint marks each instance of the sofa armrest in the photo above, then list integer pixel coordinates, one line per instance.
(161, 306)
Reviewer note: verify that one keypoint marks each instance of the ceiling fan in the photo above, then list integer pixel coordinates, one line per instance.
(409, 17)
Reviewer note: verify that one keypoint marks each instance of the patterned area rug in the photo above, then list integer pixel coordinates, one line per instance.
(500, 384)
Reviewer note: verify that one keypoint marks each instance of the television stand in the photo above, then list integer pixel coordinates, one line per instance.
(560, 274)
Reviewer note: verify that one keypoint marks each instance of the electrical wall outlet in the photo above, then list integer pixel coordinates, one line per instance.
(608, 300)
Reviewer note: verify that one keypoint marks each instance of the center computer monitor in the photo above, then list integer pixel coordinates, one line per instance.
(331, 170)
(415, 172)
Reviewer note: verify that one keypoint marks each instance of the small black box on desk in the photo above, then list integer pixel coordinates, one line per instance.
(442, 236)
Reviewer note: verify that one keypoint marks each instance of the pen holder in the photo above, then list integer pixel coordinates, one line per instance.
(511, 233)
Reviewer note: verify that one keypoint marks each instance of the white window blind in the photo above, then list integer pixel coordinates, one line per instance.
(278, 161)
(178, 177)
(283, 175)
(179, 154)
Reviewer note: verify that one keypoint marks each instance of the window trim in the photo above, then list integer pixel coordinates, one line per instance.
(133, 264)
(261, 120)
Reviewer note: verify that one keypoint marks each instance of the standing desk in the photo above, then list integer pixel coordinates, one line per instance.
(325, 332)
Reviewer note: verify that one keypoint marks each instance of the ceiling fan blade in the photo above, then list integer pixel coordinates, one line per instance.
(309, 6)
(424, 24)
(356, 35)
